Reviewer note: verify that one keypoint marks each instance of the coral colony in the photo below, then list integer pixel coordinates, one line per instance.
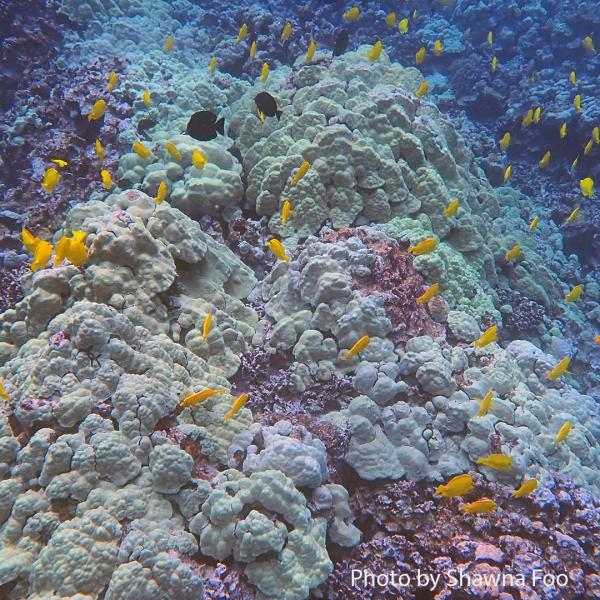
(299, 300)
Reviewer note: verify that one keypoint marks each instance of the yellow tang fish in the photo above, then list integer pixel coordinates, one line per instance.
(300, 173)
(461, 485)
(359, 346)
(173, 150)
(438, 47)
(425, 247)
(169, 43)
(287, 31)
(534, 223)
(73, 249)
(422, 89)
(264, 72)
(51, 179)
(237, 405)
(430, 292)
(253, 50)
(146, 99)
(197, 397)
(500, 462)
(62, 249)
(101, 153)
(261, 116)
(451, 209)
(375, 52)
(3, 392)
(507, 173)
(480, 507)
(597, 339)
(533, 77)
(527, 487)
(59, 162)
(415, 14)
(486, 404)
(563, 432)
(242, 34)
(560, 369)
(505, 141)
(98, 110)
(513, 253)
(286, 211)
(141, 150)
(575, 293)
(390, 20)
(573, 216)
(575, 161)
(563, 130)
(276, 247)
(537, 114)
(60, 252)
(77, 253)
(545, 159)
(161, 193)
(528, 118)
(199, 159)
(352, 14)
(403, 26)
(489, 336)
(588, 147)
(206, 326)
(29, 240)
(41, 255)
(490, 37)
(577, 102)
(212, 65)
(596, 135)
(588, 44)
(494, 64)
(420, 55)
(586, 185)
(573, 78)
(113, 79)
(312, 48)
(107, 181)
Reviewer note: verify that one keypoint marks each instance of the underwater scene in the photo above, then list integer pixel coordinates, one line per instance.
(299, 300)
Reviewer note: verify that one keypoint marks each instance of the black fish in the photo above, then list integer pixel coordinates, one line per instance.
(341, 42)
(204, 126)
(267, 105)
(143, 125)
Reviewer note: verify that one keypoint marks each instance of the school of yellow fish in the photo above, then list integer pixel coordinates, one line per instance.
(73, 248)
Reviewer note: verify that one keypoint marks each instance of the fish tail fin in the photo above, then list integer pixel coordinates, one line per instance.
(278, 113)
(220, 125)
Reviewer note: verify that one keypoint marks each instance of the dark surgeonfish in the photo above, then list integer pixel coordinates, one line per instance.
(341, 42)
(267, 105)
(205, 126)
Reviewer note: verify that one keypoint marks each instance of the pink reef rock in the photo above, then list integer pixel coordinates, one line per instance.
(394, 279)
